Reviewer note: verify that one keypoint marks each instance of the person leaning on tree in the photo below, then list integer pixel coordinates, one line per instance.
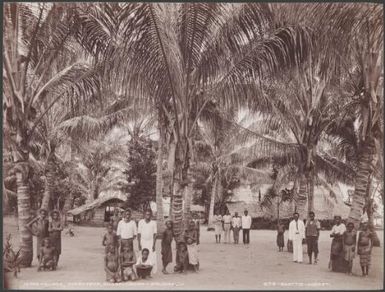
(312, 234)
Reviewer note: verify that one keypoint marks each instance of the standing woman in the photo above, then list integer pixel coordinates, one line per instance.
(55, 228)
(218, 227)
(39, 227)
(337, 261)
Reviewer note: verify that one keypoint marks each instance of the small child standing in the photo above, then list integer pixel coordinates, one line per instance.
(110, 238)
(127, 259)
(166, 246)
(349, 245)
(55, 228)
(280, 236)
(111, 264)
(365, 245)
(47, 256)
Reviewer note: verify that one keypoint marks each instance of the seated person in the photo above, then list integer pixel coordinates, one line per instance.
(127, 259)
(143, 266)
(111, 265)
(47, 256)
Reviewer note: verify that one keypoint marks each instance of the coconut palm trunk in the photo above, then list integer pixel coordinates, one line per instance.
(302, 197)
(364, 173)
(212, 201)
(49, 180)
(159, 181)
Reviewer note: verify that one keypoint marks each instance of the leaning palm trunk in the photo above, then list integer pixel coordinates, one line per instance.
(49, 180)
(159, 182)
(212, 201)
(370, 213)
(187, 205)
(301, 197)
(364, 173)
(310, 189)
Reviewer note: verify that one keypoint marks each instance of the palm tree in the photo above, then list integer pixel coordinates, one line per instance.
(35, 36)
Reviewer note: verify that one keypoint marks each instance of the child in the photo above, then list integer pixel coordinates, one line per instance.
(47, 256)
(110, 238)
(127, 259)
(55, 228)
(111, 264)
(166, 246)
(280, 237)
(192, 248)
(365, 245)
(349, 245)
(143, 266)
(181, 258)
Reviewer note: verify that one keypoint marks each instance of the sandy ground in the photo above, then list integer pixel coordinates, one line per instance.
(222, 267)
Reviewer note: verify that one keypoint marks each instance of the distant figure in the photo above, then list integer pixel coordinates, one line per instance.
(115, 220)
(47, 256)
(349, 240)
(227, 226)
(312, 234)
(111, 265)
(55, 228)
(364, 248)
(297, 234)
(337, 262)
(144, 265)
(147, 232)
(110, 238)
(280, 236)
(126, 231)
(166, 251)
(236, 226)
(39, 227)
(218, 227)
(197, 226)
(246, 225)
(192, 247)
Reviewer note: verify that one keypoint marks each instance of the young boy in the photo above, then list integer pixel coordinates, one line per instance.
(110, 238)
(55, 228)
(280, 237)
(166, 246)
(127, 259)
(111, 264)
(364, 247)
(143, 266)
(181, 258)
(47, 256)
(349, 241)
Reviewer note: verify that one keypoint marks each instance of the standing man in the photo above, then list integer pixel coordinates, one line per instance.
(227, 226)
(218, 227)
(236, 225)
(246, 225)
(296, 234)
(126, 231)
(197, 226)
(312, 234)
(147, 236)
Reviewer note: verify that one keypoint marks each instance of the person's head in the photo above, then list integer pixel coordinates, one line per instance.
(147, 215)
(169, 224)
(110, 228)
(116, 212)
(337, 220)
(189, 241)
(236, 214)
(127, 215)
(55, 215)
(182, 246)
(296, 216)
(350, 226)
(47, 242)
(365, 226)
(311, 215)
(227, 212)
(43, 213)
(145, 253)
(246, 212)
(195, 215)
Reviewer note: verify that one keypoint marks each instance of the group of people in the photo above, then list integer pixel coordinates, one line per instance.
(121, 263)
(48, 234)
(227, 223)
(343, 247)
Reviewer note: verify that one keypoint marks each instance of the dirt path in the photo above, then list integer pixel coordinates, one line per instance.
(223, 267)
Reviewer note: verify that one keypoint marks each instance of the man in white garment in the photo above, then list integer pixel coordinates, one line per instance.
(296, 234)
(147, 237)
(227, 226)
(126, 231)
(246, 225)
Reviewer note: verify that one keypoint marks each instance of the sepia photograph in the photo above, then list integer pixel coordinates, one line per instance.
(193, 146)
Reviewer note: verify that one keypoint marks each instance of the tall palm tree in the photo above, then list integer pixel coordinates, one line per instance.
(35, 36)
